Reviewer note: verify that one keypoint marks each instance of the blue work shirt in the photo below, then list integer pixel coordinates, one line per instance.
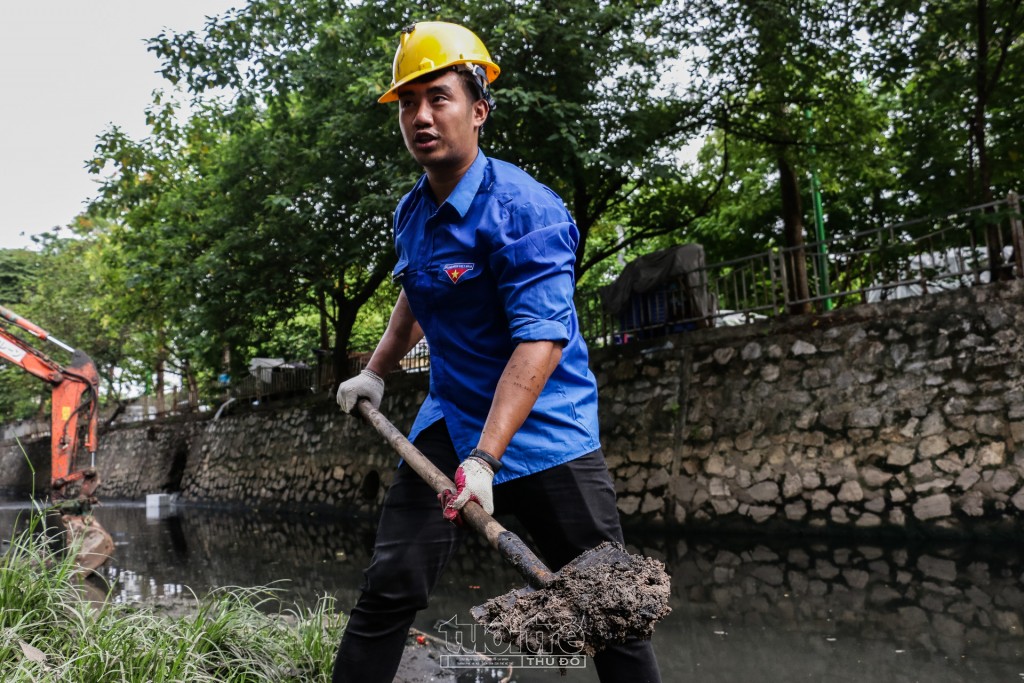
(489, 268)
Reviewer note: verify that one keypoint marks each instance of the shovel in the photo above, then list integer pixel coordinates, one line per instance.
(604, 596)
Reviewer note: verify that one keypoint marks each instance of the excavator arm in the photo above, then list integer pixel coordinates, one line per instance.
(74, 399)
(73, 426)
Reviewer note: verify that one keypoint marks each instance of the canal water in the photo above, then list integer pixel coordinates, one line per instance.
(745, 608)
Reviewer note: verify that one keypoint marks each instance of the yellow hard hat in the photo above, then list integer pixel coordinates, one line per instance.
(432, 45)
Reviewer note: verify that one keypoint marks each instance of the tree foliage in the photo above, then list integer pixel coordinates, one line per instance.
(586, 104)
(63, 293)
(276, 197)
(956, 68)
(19, 268)
(20, 393)
(767, 67)
(255, 217)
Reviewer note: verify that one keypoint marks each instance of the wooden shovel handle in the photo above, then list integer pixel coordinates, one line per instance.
(504, 541)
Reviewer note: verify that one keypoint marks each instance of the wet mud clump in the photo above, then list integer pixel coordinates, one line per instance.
(587, 608)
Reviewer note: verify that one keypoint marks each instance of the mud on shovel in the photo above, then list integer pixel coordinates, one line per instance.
(604, 596)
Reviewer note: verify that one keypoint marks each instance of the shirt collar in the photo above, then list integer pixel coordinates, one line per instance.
(463, 194)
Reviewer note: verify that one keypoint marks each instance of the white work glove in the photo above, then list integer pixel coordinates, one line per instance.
(472, 482)
(367, 384)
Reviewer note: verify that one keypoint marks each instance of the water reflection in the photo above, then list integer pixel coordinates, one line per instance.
(745, 609)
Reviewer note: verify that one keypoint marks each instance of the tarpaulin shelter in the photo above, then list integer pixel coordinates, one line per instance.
(661, 292)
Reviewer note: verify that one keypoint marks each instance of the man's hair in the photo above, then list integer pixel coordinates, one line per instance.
(470, 84)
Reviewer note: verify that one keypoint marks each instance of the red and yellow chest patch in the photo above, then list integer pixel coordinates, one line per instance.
(455, 271)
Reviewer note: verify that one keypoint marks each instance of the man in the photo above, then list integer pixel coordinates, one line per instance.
(485, 260)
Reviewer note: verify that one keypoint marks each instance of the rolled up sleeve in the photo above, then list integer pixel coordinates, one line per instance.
(536, 282)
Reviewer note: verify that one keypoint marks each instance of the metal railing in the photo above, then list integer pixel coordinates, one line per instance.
(287, 382)
(972, 246)
(282, 383)
(140, 409)
(25, 429)
(273, 383)
(175, 401)
(417, 360)
(969, 247)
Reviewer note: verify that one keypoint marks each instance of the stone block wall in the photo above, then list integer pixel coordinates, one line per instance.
(301, 453)
(905, 417)
(24, 467)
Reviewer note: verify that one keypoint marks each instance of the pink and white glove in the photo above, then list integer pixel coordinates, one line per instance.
(472, 482)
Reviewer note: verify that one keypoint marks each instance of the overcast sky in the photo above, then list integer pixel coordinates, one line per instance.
(69, 69)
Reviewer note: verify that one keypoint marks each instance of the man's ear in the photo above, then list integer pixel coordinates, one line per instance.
(480, 112)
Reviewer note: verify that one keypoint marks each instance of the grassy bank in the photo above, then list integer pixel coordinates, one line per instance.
(48, 632)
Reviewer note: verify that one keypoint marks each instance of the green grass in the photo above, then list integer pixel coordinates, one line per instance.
(49, 633)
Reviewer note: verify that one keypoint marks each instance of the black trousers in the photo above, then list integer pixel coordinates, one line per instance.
(567, 510)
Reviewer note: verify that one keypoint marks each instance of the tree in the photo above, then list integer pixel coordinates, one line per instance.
(154, 207)
(767, 65)
(63, 293)
(957, 67)
(586, 105)
(306, 152)
(72, 298)
(18, 268)
(302, 185)
(20, 393)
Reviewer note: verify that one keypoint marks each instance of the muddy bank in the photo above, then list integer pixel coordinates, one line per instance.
(421, 662)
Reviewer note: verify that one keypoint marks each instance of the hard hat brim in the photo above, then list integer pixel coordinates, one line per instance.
(391, 95)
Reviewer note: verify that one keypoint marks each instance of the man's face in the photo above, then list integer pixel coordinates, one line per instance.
(439, 122)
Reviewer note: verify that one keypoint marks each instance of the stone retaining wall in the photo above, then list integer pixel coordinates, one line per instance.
(905, 416)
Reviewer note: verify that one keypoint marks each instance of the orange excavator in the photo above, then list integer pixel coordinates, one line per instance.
(75, 411)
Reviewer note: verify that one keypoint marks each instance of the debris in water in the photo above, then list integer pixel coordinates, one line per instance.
(586, 609)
